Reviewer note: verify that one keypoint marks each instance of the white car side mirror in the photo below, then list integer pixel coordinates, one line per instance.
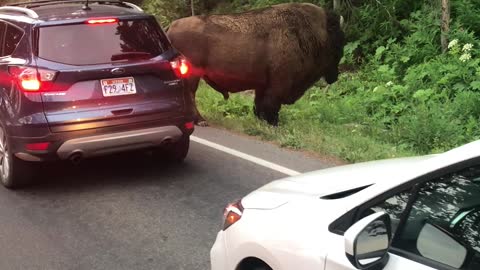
(367, 241)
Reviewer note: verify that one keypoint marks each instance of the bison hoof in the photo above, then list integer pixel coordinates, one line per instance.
(273, 123)
(271, 120)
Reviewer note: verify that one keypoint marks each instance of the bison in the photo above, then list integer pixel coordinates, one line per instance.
(279, 52)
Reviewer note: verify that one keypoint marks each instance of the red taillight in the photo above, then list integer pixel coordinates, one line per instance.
(31, 79)
(232, 214)
(43, 146)
(30, 84)
(26, 77)
(102, 21)
(181, 67)
(189, 125)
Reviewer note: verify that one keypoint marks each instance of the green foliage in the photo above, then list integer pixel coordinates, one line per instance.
(467, 13)
(319, 122)
(166, 11)
(424, 100)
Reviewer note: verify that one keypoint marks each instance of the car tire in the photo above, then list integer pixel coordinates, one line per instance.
(176, 152)
(14, 172)
(262, 268)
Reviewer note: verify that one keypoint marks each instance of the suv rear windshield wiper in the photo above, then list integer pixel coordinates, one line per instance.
(130, 55)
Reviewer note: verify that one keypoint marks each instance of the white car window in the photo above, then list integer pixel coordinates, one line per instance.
(394, 206)
(449, 209)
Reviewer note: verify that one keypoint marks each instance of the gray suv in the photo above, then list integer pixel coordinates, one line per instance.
(85, 79)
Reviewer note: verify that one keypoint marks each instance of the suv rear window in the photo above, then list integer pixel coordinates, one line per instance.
(86, 44)
(12, 38)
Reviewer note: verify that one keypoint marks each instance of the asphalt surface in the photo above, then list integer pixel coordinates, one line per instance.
(132, 211)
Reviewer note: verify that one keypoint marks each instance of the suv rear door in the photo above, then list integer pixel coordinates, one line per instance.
(107, 72)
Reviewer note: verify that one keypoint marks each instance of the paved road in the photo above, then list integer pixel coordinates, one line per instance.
(132, 212)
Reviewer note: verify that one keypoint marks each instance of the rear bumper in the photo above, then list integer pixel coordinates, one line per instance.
(102, 141)
(118, 142)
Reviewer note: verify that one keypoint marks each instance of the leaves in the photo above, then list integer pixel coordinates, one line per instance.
(475, 85)
(404, 59)
(423, 94)
(379, 52)
(349, 52)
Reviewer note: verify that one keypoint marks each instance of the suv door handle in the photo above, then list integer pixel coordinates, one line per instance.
(122, 111)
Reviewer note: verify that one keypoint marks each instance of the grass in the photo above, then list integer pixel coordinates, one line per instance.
(316, 123)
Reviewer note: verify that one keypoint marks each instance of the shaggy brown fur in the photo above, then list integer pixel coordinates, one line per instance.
(278, 51)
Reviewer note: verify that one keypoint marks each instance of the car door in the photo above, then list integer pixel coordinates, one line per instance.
(435, 224)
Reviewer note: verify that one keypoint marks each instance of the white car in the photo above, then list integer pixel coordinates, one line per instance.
(399, 214)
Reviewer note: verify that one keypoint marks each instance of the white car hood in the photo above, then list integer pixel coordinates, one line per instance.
(329, 181)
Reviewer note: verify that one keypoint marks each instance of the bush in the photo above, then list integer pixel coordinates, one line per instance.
(419, 98)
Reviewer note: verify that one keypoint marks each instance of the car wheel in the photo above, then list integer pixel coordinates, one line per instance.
(261, 268)
(177, 151)
(14, 172)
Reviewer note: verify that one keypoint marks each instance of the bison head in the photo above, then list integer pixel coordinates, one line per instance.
(337, 42)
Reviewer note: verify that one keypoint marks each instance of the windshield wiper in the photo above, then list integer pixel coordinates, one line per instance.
(130, 55)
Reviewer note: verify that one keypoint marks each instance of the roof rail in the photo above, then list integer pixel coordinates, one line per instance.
(40, 3)
(30, 13)
(132, 5)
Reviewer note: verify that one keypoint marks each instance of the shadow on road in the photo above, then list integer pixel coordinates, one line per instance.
(135, 168)
(126, 211)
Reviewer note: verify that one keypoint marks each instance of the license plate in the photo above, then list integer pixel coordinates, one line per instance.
(118, 87)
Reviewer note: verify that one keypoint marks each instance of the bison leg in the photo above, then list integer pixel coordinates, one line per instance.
(267, 109)
(258, 103)
(192, 86)
(271, 113)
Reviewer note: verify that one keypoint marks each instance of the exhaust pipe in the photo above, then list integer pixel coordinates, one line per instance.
(167, 141)
(76, 158)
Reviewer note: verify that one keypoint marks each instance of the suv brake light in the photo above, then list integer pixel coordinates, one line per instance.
(32, 79)
(102, 21)
(181, 67)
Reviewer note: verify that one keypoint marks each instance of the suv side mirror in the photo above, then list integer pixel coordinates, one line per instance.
(439, 245)
(367, 241)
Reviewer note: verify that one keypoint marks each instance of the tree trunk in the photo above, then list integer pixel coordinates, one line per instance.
(336, 5)
(192, 7)
(445, 24)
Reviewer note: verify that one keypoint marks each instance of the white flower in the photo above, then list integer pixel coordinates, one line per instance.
(468, 47)
(388, 84)
(465, 57)
(453, 43)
